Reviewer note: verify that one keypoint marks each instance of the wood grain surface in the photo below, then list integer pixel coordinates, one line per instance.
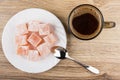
(103, 52)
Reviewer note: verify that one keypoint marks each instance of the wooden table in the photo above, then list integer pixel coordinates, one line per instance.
(102, 52)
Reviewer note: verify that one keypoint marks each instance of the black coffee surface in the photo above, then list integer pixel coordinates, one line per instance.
(85, 24)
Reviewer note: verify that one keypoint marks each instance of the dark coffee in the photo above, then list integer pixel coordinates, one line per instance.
(85, 24)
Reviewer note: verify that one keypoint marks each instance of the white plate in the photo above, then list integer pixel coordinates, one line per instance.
(8, 40)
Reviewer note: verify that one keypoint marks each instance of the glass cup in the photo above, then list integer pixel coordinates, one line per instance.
(84, 9)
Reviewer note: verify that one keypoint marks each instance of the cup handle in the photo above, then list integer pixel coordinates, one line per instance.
(109, 24)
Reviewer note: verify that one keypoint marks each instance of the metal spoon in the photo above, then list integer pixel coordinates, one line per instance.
(61, 53)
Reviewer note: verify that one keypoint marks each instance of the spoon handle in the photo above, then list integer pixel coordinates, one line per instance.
(89, 68)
